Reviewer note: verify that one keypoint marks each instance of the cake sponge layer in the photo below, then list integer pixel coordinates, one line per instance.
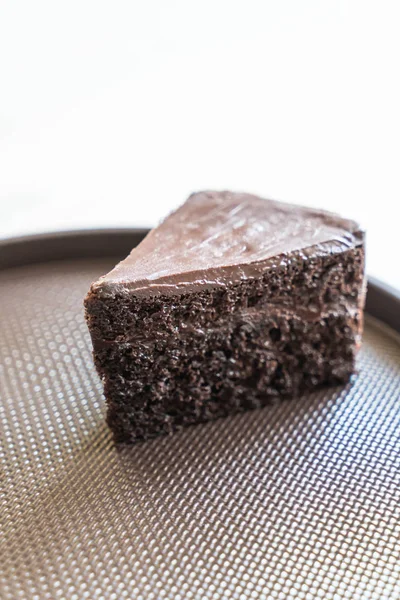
(176, 360)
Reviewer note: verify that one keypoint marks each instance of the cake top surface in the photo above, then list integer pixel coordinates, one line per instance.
(219, 238)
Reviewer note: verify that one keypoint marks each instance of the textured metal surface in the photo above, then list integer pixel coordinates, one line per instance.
(299, 500)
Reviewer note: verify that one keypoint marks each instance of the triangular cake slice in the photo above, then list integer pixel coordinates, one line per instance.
(232, 301)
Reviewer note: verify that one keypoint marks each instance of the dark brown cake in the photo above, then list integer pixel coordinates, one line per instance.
(231, 302)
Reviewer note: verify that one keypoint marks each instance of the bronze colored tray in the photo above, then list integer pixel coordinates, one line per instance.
(299, 500)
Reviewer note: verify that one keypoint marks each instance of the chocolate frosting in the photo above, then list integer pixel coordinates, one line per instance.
(221, 238)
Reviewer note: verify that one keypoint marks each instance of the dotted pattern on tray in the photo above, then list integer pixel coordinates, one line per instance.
(298, 500)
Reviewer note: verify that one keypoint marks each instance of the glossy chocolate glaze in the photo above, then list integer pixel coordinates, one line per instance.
(222, 238)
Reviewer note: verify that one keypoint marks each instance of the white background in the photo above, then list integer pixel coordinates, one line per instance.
(111, 113)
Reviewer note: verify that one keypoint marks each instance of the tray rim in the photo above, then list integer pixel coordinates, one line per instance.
(383, 301)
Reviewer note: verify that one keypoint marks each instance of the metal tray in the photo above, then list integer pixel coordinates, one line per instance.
(297, 500)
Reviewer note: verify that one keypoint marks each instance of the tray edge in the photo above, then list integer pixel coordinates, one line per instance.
(383, 301)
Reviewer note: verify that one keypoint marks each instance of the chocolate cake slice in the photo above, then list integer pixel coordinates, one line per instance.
(231, 302)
